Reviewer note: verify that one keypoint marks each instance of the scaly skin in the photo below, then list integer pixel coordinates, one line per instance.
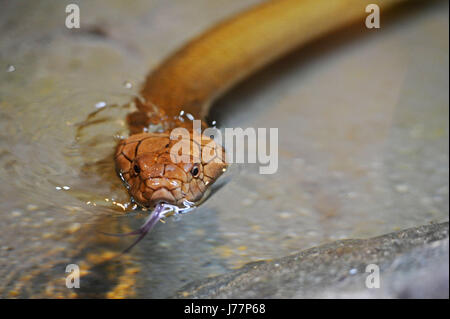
(144, 161)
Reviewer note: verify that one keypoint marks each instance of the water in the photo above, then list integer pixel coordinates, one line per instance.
(363, 132)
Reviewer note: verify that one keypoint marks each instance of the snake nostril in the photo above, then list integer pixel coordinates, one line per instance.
(137, 169)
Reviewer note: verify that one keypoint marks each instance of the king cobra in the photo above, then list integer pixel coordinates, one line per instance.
(192, 78)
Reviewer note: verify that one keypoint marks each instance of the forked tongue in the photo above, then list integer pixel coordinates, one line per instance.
(161, 210)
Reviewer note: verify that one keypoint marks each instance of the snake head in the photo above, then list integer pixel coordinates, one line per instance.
(155, 171)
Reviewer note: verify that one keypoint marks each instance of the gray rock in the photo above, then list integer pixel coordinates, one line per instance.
(413, 263)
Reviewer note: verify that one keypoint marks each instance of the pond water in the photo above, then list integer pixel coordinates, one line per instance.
(363, 145)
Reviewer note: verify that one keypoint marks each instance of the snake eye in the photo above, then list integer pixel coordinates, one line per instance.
(195, 171)
(137, 169)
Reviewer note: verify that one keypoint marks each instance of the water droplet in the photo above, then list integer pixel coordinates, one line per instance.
(32, 207)
(16, 213)
(285, 215)
(123, 206)
(127, 85)
(247, 201)
(351, 195)
(10, 68)
(73, 228)
(401, 188)
(100, 105)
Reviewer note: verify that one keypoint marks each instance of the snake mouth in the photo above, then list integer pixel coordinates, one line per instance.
(162, 196)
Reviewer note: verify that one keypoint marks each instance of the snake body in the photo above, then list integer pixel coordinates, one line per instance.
(207, 66)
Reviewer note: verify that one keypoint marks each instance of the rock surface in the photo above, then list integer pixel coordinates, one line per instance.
(413, 263)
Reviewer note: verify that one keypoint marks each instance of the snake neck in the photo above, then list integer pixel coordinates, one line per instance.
(151, 118)
(210, 64)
